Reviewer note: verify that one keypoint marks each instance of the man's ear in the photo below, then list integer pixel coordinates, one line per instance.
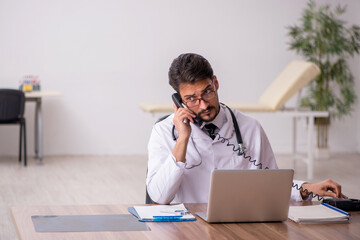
(216, 82)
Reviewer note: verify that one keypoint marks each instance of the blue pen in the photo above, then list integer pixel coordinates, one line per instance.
(167, 218)
(335, 208)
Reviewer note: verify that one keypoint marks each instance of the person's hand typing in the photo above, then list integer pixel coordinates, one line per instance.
(325, 188)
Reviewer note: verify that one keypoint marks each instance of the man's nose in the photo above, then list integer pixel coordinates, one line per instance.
(203, 104)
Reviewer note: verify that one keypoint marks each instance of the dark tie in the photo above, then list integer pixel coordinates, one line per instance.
(210, 128)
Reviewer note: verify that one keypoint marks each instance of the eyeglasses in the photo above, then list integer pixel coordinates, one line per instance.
(206, 96)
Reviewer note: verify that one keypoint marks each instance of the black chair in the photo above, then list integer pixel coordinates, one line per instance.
(12, 106)
(148, 199)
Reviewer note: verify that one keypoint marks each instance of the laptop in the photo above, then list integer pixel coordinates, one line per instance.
(248, 195)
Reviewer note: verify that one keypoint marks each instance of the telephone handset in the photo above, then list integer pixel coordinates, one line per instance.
(178, 102)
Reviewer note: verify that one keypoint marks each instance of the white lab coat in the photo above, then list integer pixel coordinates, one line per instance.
(169, 181)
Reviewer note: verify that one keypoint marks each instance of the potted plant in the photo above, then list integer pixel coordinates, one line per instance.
(323, 38)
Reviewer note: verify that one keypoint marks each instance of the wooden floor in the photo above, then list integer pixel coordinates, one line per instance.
(69, 180)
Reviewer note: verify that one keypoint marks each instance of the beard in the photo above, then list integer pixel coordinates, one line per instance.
(210, 113)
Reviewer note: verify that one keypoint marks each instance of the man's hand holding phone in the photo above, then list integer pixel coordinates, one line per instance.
(182, 119)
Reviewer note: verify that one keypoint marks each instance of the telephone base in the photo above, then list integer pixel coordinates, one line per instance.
(344, 204)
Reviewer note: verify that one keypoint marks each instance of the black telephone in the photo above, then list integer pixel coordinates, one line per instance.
(344, 204)
(178, 102)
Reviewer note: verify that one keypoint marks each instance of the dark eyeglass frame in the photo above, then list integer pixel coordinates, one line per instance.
(206, 99)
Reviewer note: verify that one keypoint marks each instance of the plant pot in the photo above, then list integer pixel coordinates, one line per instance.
(322, 131)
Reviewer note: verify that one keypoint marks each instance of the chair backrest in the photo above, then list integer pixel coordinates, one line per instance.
(12, 104)
(294, 77)
(148, 199)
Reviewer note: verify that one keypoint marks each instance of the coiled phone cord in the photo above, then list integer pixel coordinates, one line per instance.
(242, 152)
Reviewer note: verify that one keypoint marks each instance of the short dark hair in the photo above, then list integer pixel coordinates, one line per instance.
(189, 68)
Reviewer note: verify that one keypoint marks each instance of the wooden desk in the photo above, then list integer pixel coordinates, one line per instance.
(36, 96)
(183, 230)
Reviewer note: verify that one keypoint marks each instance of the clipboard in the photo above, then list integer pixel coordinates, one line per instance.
(162, 213)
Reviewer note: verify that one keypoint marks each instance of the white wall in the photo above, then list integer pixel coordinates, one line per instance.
(107, 56)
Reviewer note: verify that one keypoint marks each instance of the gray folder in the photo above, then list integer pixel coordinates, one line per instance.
(88, 223)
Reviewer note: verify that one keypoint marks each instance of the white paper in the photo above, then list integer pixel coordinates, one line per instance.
(148, 212)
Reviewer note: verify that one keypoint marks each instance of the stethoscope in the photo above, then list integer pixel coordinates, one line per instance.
(241, 150)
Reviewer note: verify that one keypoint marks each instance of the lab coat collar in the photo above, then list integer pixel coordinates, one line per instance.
(227, 129)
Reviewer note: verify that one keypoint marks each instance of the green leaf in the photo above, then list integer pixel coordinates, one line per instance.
(324, 38)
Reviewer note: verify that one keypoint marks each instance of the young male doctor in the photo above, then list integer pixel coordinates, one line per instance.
(181, 158)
